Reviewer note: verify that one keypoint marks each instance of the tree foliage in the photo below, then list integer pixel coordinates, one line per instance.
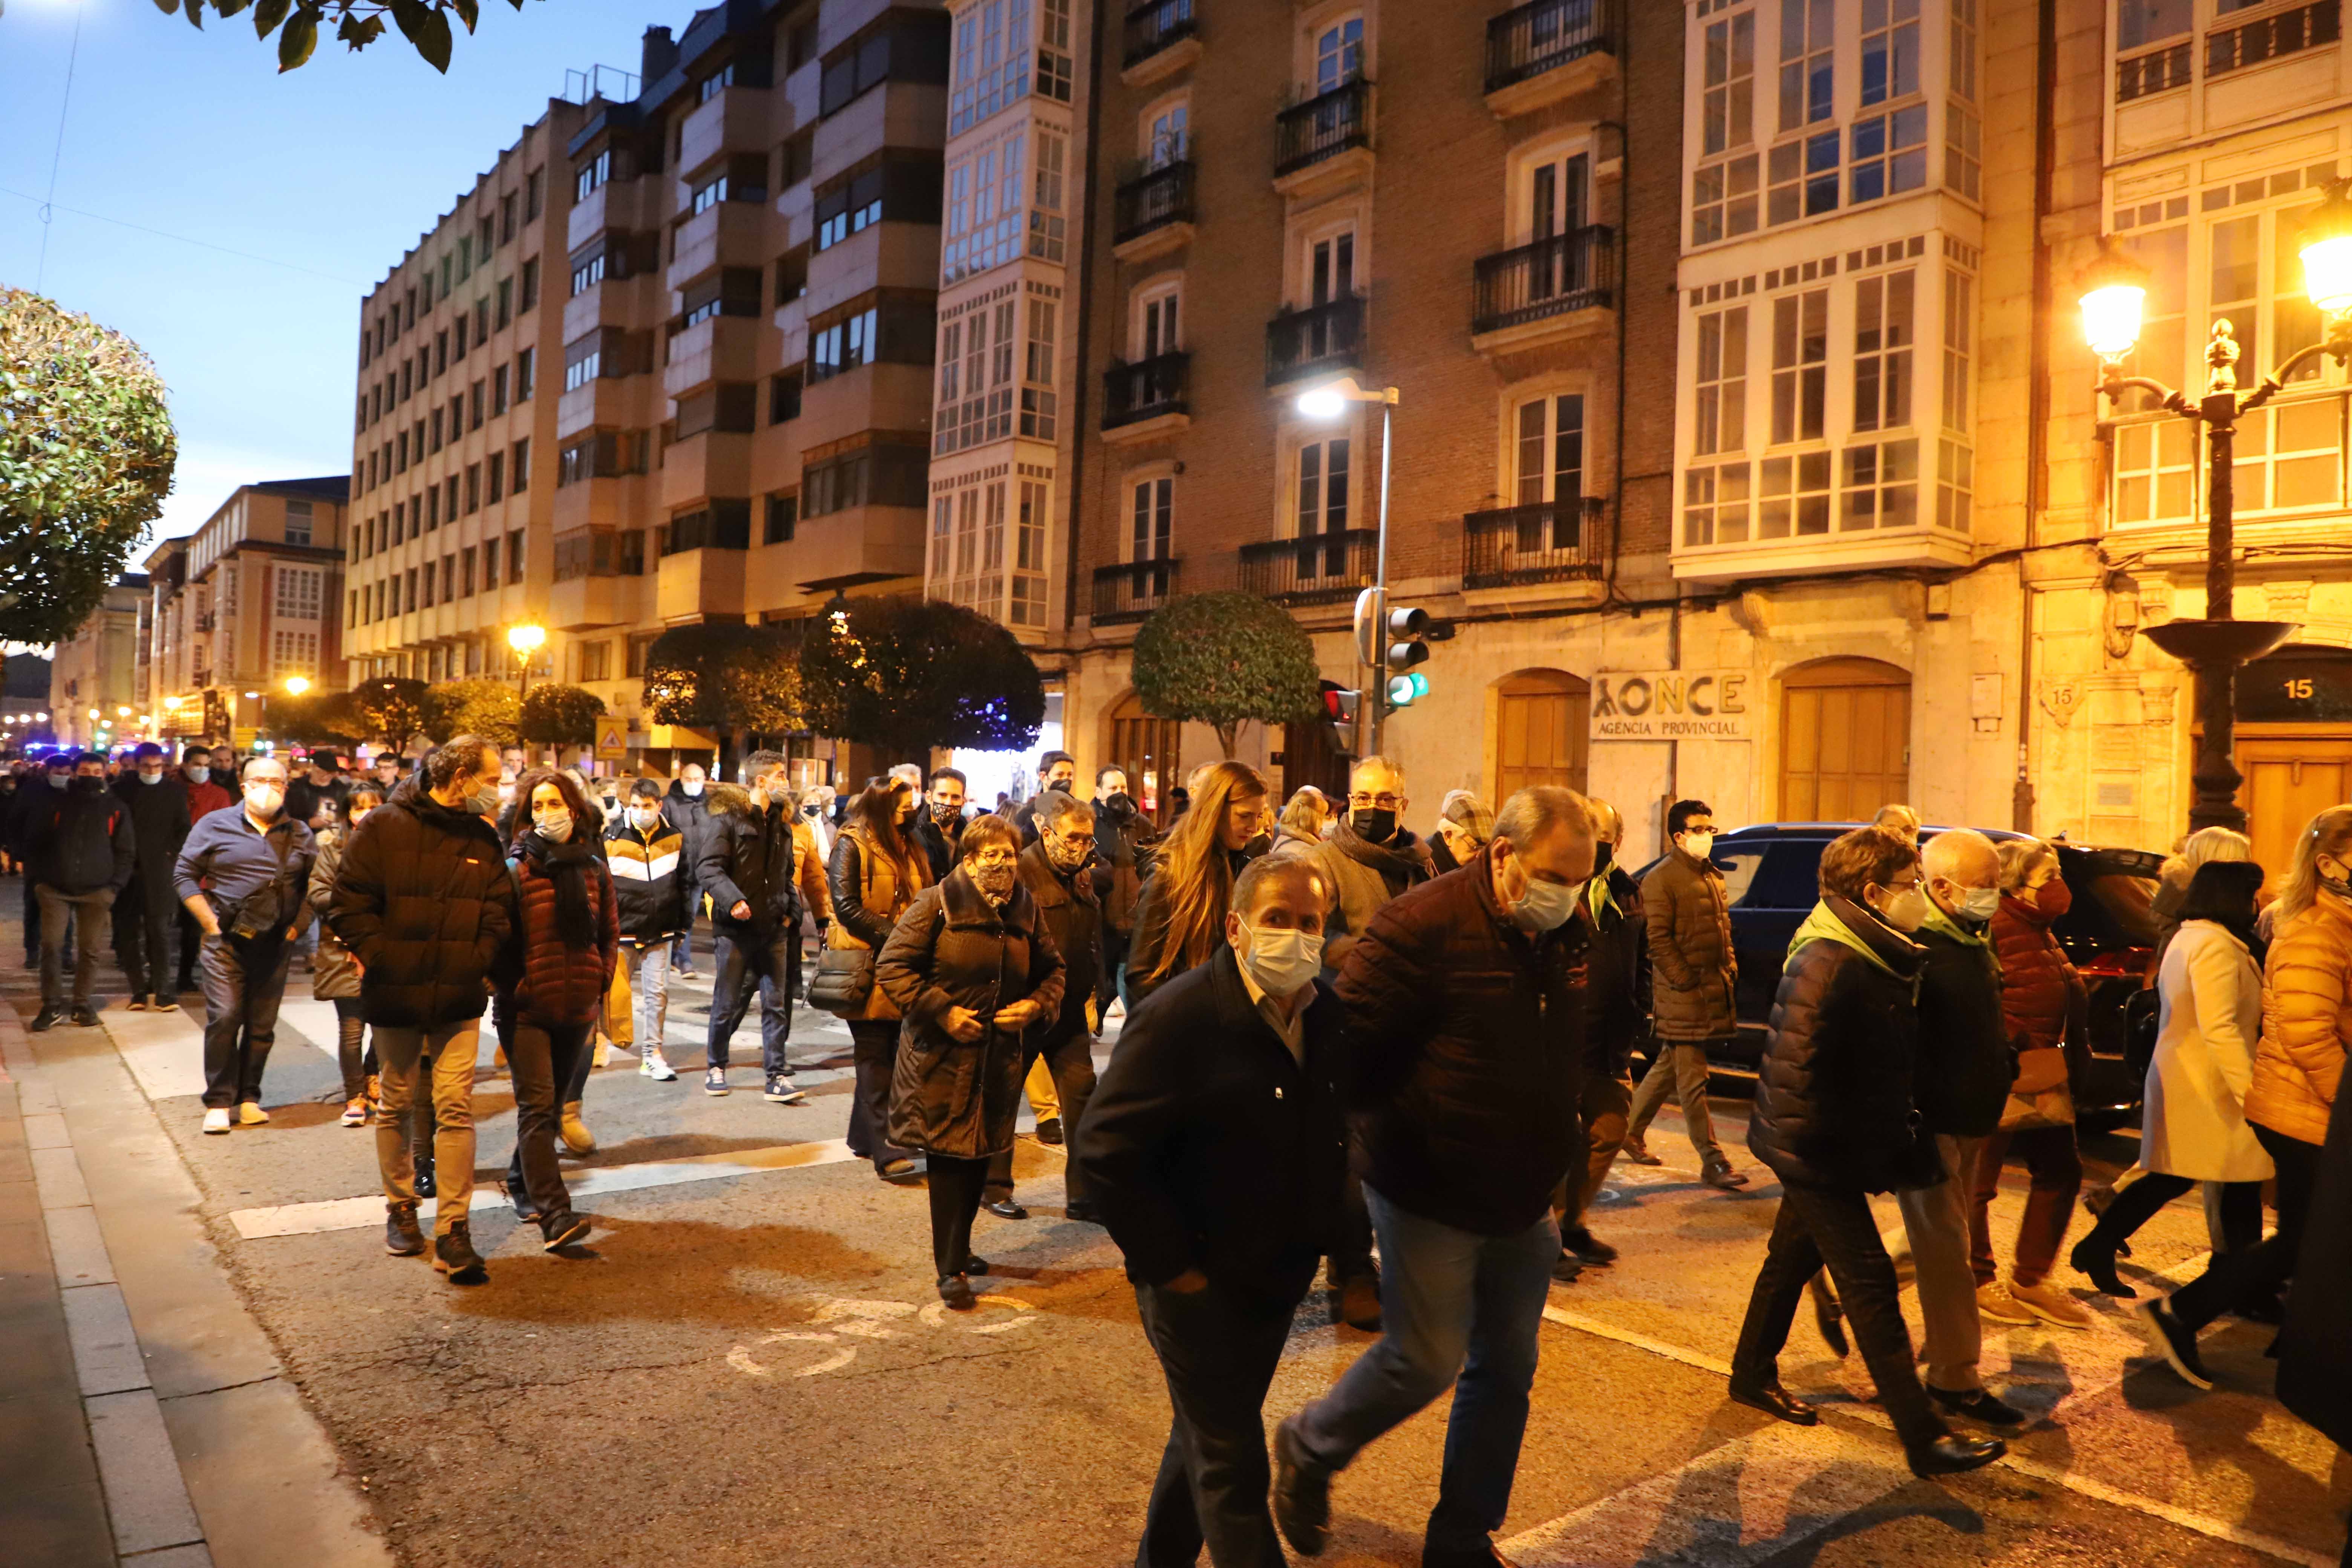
(358, 22)
(315, 719)
(1222, 659)
(905, 675)
(87, 451)
(557, 715)
(486, 707)
(389, 712)
(731, 680)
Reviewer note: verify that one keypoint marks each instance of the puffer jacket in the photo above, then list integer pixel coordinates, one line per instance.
(159, 826)
(870, 890)
(953, 948)
(79, 840)
(1616, 987)
(1361, 875)
(764, 858)
(424, 899)
(2306, 1019)
(2037, 984)
(553, 982)
(1835, 1104)
(1464, 1066)
(652, 878)
(335, 975)
(1694, 972)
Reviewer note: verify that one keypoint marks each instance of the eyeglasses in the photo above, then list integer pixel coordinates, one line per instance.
(1358, 799)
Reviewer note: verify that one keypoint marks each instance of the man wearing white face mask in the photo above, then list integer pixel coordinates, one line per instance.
(1214, 1148)
(1465, 1040)
(1694, 981)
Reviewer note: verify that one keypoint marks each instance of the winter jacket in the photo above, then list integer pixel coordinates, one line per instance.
(1964, 1074)
(554, 983)
(1120, 833)
(1465, 1043)
(2037, 984)
(1693, 968)
(651, 879)
(335, 974)
(1834, 1106)
(159, 825)
(2306, 1019)
(79, 840)
(1360, 876)
(689, 813)
(1148, 934)
(870, 890)
(939, 844)
(207, 797)
(1616, 987)
(762, 858)
(2193, 1120)
(1207, 1145)
(1072, 918)
(953, 948)
(423, 896)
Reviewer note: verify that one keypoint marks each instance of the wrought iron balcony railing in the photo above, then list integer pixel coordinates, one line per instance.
(1320, 337)
(1529, 40)
(1132, 590)
(1323, 126)
(1153, 27)
(1548, 542)
(1153, 199)
(1571, 272)
(1146, 389)
(1318, 567)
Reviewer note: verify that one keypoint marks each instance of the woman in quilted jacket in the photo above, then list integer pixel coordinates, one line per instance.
(567, 938)
(968, 966)
(2042, 1001)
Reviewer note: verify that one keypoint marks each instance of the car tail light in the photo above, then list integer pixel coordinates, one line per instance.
(2117, 963)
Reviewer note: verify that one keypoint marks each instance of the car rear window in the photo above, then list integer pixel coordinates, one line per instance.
(1790, 877)
(2120, 889)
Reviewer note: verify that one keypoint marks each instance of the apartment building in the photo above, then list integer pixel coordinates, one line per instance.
(251, 599)
(453, 457)
(95, 693)
(1475, 208)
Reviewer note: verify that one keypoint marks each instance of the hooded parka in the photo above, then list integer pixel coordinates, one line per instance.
(423, 896)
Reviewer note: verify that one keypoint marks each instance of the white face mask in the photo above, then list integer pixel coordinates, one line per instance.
(1547, 906)
(1698, 846)
(156, 777)
(1281, 961)
(198, 773)
(1905, 909)
(1978, 904)
(555, 826)
(644, 818)
(265, 799)
(691, 786)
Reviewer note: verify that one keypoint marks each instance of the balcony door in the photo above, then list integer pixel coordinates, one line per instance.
(1323, 481)
(1555, 204)
(1166, 138)
(1845, 739)
(1542, 722)
(1338, 54)
(1548, 453)
(1330, 263)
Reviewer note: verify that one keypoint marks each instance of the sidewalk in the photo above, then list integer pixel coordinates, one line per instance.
(145, 1418)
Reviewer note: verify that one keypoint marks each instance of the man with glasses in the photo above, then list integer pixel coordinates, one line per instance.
(1055, 871)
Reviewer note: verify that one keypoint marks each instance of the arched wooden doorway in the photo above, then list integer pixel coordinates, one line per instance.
(1148, 750)
(1845, 739)
(2294, 745)
(1542, 731)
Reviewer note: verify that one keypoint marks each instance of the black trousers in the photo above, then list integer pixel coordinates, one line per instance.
(144, 915)
(2241, 1211)
(2250, 1274)
(32, 922)
(191, 941)
(955, 1186)
(1819, 1227)
(874, 1046)
(1072, 1062)
(1352, 1241)
(1218, 1351)
(542, 1057)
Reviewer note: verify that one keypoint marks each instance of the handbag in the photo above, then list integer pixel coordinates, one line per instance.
(844, 980)
(2039, 1096)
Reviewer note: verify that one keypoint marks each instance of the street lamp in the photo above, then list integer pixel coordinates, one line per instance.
(2114, 288)
(1325, 402)
(297, 684)
(526, 640)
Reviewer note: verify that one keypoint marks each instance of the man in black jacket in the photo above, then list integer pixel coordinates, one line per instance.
(1055, 871)
(1961, 1088)
(1214, 1147)
(688, 807)
(1466, 1041)
(1616, 1012)
(1057, 772)
(746, 860)
(425, 901)
(78, 855)
(939, 823)
(38, 791)
(157, 801)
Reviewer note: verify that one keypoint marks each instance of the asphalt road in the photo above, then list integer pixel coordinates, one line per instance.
(751, 1367)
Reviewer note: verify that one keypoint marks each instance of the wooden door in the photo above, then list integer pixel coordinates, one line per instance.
(2289, 780)
(1311, 755)
(1542, 722)
(1146, 749)
(1845, 739)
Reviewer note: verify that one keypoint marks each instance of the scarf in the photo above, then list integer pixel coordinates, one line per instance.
(1401, 862)
(566, 865)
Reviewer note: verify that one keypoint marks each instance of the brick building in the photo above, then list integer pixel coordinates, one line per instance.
(96, 693)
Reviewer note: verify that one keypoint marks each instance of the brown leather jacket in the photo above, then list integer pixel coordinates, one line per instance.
(2306, 1019)
(1692, 967)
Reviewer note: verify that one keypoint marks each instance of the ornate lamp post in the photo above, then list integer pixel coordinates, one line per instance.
(2114, 289)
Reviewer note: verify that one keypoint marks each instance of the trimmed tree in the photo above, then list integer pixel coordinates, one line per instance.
(1222, 659)
(486, 707)
(556, 715)
(389, 711)
(905, 675)
(86, 457)
(735, 681)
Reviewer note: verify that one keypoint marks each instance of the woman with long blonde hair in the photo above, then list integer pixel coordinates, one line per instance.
(1304, 817)
(1180, 915)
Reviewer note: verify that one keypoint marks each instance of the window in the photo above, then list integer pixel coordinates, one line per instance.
(529, 284)
(1955, 485)
(983, 209)
(1547, 450)
(592, 174)
(298, 592)
(717, 82)
(909, 49)
(473, 489)
(293, 653)
(1054, 61)
(2142, 22)
(1338, 54)
(2163, 349)
(506, 302)
(1808, 51)
(2233, 284)
(2268, 37)
(298, 522)
(1715, 504)
(494, 470)
(783, 516)
(791, 275)
(1723, 191)
(1882, 352)
(1153, 514)
(489, 565)
(881, 474)
(506, 217)
(1960, 350)
(473, 407)
(1963, 131)
(514, 555)
(1801, 341)
(1889, 154)
(848, 209)
(437, 430)
(1802, 178)
(783, 397)
(466, 573)
(596, 658)
(710, 193)
(1047, 228)
(1793, 490)
(587, 274)
(1038, 402)
(1156, 322)
(845, 345)
(991, 62)
(1028, 606)
(2289, 456)
(732, 291)
(1890, 50)
(499, 390)
(524, 361)
(640, 644)
(1165, 140)
(1882, 486)
(1720, 420)
(1553, 194)
(1322, 488)
(795, 158)
(522, 465)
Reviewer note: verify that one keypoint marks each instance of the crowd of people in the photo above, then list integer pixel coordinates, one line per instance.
(1404, 1062)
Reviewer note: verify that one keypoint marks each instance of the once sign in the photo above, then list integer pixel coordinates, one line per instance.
(1671, 705)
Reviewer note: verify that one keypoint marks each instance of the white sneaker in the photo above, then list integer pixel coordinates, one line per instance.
(216, 1119)
(251, 1114)
(656, 1066)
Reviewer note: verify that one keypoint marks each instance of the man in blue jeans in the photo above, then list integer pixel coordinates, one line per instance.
(1465, 1040)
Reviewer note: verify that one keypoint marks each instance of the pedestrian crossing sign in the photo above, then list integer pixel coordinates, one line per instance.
(611, 744)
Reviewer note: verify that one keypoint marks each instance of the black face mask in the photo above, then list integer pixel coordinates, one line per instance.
(86, 786)
(1603, 853)
(1373, 824)
(941, 812)
(1118, 804)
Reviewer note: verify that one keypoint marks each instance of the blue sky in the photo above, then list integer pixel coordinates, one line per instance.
(327, 175)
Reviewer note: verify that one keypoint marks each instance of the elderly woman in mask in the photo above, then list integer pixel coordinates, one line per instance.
(968, 966)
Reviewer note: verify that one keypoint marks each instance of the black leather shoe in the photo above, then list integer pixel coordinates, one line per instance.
(1005, 1208)
(1589, 1247)
(1978, 1405)
(2096, 1263)
(1050, 1129)
(975, 1265)
(1951, 1454)
(1084, 1213)
(956, 1291)
(86, 1017)
(1302, 1493)
(1776, 1402)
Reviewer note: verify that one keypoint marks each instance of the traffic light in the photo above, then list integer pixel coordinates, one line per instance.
(1408, 630)
(1339, 708)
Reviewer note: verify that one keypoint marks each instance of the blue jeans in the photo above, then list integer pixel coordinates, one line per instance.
(773, 958)
(1457, 1307)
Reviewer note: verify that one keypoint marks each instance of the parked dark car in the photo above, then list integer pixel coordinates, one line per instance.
(1771, 875)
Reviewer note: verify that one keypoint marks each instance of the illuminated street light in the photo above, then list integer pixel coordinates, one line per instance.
(1326, 401)
(526, 639)
(296, 685)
